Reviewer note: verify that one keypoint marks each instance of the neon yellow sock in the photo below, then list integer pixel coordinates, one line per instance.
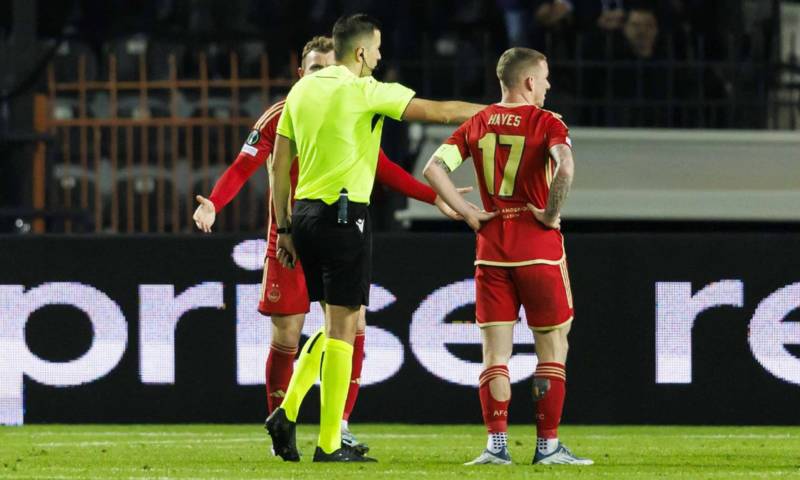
(336, 368)
(306, 373)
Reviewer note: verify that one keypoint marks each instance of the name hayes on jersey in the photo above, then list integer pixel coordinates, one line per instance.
(507, 119)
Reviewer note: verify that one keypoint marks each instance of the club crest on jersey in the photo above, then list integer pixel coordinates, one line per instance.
(274, 294)
(253, 138)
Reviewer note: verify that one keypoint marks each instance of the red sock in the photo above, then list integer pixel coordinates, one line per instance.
(495, 412)
(355, 376)
(278, 372)
(548, 409)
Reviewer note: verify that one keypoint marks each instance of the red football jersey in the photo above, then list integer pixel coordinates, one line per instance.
(510, 148)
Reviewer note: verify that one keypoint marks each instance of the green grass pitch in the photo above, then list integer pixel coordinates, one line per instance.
(405, 451)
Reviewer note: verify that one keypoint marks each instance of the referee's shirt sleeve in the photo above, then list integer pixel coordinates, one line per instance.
(285, 125)
(390, 99)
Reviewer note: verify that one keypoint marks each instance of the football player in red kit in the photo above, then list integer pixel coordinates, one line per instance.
(523, 159)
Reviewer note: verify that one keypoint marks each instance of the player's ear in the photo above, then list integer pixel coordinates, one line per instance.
(530, 83)
(300, 72)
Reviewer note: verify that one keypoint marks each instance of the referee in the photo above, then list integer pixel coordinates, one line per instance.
(342, 108)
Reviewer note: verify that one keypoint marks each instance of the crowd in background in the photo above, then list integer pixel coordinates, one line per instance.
(601, 51)
(613, 63)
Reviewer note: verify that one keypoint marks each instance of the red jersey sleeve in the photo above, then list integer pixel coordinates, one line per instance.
(393, 176)
(557, 132)
(459, 139)
(254, 153)
(455, 149)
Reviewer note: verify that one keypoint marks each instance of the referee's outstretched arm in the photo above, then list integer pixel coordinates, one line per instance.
(280, 184)
(432, 111)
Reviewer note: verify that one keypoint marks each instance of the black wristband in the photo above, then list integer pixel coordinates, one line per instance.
(284, 230)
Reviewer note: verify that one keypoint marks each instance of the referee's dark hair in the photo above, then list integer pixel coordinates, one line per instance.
(350, 28)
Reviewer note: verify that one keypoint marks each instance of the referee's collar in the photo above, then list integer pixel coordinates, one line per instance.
(346, 70)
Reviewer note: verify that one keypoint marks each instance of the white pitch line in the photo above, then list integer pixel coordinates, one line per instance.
(754, 436)
(132, 442)
(227, 439)
(84, 477)
(23, 433)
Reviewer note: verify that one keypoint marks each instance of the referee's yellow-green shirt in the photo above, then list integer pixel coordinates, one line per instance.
(336, 119)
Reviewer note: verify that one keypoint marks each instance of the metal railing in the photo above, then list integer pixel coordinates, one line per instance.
(135, 153)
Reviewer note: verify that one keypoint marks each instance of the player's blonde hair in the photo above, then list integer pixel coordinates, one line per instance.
(319, 44)
(513, 61)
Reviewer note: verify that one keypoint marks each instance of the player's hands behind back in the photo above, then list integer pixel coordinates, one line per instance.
(538, 213)
(205, 214)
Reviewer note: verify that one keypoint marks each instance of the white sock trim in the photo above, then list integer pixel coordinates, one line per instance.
(496, 442)
(546, 446)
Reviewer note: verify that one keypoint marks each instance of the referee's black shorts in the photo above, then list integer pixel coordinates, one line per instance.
(337, 258)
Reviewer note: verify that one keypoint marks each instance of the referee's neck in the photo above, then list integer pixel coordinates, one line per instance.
(354, 67)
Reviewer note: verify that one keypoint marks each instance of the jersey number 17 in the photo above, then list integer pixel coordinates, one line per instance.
(488, 146)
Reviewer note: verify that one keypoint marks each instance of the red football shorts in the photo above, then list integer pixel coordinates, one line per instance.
(283, 290)
(542, 289)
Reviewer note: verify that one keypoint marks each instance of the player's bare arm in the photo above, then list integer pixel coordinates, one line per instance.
(447, 210)
(559, 188)
(280, 184)
(431, 111)
(436, 172)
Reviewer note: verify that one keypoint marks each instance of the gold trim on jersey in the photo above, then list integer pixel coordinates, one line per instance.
(548, 170)
(268, 114)
(556, 115)
(546, 370)
(523, 263)
(567, 286)
(537, 261)
(494, 324)
(263, 290)
(266, 257)
(266, 120)
(550, 328)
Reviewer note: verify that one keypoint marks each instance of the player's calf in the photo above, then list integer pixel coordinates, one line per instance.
(540, 387)
(278, 373)
(495, 396)
(549, 389)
